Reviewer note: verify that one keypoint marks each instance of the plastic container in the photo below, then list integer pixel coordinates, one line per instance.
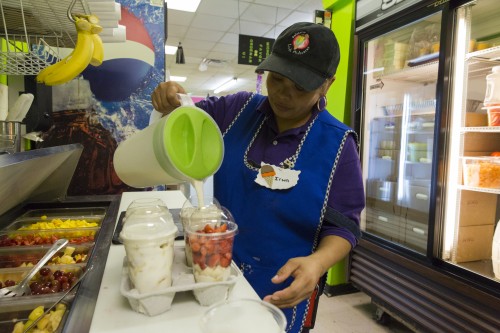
(417, 152)
(21, 310)
(16, 274)
(493, 115)
(210, 208)
(495, 252)
(492, 95)
(10, 137)
(148, 235)
(37, 237)
(185, 145)
(248, 315)
(29, 255)
(159, 301)
(211, 244)
(482, 172)
(57, 222)
(74, 212)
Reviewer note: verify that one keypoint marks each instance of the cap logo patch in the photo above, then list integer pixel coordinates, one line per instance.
(300, 43)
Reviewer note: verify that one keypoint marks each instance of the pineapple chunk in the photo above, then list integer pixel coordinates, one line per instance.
(61, 306)
(37, 312)
(18, 327)
(69, 250)
(42, 324)
(66, 259)
(55, 319)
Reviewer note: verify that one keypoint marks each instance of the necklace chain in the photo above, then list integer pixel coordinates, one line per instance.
(289, 162)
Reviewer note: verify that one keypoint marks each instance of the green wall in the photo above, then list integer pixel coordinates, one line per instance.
(339, 95)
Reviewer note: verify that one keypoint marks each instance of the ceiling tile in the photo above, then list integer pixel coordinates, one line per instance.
(261, 14)
(211, 22)
(212, 32)
(204, 34)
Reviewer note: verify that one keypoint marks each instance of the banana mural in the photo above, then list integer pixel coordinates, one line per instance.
(88, 50)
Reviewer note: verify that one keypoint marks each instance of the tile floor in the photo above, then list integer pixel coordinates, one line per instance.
(351, 313)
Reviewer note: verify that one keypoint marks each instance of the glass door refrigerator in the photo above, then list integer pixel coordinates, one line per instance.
(426, 117)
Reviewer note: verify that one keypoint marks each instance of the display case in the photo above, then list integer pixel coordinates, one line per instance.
(34, 185)
(473, 167)
(428, 143)
(399, 103)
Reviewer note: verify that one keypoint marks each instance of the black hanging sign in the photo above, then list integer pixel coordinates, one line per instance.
(252, 50)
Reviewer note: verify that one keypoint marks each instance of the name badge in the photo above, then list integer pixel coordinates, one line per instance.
(276, 178)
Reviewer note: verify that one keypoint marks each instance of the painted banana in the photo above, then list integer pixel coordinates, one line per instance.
(98, 53)
(71, 66)
(40, 78)
(78, 61)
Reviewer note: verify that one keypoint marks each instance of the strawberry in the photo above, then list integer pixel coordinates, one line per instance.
(224, 262)
(213, 260)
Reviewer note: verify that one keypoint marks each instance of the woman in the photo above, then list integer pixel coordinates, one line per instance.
(291, 173)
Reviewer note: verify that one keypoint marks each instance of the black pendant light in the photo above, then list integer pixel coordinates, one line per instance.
(179, 55)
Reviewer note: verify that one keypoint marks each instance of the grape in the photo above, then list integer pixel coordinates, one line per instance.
(9, 283)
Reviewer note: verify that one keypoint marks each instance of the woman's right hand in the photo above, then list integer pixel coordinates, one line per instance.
(164, 97)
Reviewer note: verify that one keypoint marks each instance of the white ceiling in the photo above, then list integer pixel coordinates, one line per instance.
(212, 32)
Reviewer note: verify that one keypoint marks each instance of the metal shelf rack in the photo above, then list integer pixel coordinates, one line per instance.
(33, 31)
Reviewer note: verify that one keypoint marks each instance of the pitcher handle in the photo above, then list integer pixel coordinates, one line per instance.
(185, 100)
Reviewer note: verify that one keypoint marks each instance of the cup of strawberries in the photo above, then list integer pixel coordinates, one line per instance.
(211, 243)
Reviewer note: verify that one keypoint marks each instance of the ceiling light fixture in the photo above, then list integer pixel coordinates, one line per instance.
(178, 78)
(184, 5)
(206, 62)
(226, 85)
(179, 55)
(170, 49)
(203, 65)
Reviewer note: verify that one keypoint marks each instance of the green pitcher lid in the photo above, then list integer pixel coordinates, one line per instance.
(193, 142)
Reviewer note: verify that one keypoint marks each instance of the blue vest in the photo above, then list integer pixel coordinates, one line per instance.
(276, 225)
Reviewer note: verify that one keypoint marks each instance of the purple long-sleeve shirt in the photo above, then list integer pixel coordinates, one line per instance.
(346, 199)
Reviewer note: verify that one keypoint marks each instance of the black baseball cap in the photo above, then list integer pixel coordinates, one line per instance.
(306, 53)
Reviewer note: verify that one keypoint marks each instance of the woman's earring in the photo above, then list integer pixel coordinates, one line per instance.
(321, 103)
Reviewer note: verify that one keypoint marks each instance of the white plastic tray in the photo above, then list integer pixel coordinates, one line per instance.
(154, 303)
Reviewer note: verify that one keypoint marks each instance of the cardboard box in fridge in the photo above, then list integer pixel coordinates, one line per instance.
(475, 119)
(481, 144)
(474, 243)
(477, 208)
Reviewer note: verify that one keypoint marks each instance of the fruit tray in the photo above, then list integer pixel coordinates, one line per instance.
(71, 272)
(154, 303)
(20, 311)
(56, 222)
(34, 237)
(74, 213)
(20, 256)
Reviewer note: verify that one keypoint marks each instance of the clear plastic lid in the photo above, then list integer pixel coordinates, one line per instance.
(147, 219)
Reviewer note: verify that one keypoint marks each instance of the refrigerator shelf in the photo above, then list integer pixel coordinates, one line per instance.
(479, 189)
(491, 55)
(481, 129)
(481, 62)
(422, 74)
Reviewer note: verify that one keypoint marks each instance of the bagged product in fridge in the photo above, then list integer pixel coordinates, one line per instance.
(492, 95)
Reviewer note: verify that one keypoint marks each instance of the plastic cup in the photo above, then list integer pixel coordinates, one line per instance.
(247, 315)
(493, 115)
(148, 236)
(211, 244)
(192, 212)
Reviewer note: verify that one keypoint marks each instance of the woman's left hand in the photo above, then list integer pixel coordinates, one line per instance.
(306, 272)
